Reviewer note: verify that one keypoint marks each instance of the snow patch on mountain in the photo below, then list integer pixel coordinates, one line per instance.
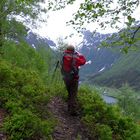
(102, 69)
(33, 45)
(98, 49)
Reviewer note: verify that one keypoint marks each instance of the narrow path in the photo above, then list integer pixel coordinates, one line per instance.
(2, 115)
(69, 127)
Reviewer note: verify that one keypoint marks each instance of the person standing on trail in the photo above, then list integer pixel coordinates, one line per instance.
(71, 61)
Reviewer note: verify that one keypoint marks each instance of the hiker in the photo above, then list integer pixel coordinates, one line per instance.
(70, 68)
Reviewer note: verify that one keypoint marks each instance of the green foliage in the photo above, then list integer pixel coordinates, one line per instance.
(137, 136)
(104, 131)
(25, 97)
(126, 40)
(104, 121)
(105, 13)
(22, 55)
(10, 27)
(56, 85)
(128, 99)
(90, 11)
(129, 102)
(23, 94)
(125, 70)
(28, 84)
(24, 124)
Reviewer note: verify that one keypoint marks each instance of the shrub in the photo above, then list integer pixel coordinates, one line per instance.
(104, 121)
(24, 96)
(24, 125)
(129, 102)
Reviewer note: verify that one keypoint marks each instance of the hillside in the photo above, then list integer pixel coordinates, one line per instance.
(101, 58)
(34, 102)
(125, 70)
(35, 40)
(33, 97)
(108, 67)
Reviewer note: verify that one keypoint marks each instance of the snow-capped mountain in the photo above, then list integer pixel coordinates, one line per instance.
(35, 41)
(101, 58)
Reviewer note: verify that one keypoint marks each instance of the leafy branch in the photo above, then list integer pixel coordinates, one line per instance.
(134, 33)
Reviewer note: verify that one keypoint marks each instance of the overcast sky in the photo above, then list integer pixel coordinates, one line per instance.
(56, 24)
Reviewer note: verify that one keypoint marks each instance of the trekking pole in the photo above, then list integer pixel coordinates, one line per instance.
(57, 64)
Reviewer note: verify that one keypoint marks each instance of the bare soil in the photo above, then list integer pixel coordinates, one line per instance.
(69, 127)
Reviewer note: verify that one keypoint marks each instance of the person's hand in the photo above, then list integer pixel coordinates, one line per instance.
(88, 62)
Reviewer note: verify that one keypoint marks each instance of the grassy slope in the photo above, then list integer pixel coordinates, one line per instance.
(26, 97)
(125, 70)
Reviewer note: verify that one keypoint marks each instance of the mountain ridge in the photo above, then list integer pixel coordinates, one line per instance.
(109, 67)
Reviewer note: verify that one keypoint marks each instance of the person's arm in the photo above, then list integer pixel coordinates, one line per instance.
(81, 60)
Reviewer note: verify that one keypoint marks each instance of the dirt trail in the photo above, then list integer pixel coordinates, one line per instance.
(69, 127)
(2, 115)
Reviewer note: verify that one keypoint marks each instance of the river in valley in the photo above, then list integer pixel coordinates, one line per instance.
(109, 99)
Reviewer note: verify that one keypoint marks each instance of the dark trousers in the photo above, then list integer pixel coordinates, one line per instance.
(72, 88)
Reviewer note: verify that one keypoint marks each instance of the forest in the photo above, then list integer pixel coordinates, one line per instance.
(33, 96)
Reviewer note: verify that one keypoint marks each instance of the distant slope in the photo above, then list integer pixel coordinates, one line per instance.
(101, 58)
(125, 70)
(36, 41)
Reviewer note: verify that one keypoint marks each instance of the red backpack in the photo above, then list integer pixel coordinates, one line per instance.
(68, 65)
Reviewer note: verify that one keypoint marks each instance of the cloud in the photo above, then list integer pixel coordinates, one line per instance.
(56, 25)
